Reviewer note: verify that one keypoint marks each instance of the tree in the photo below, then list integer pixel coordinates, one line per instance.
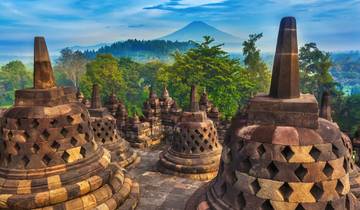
(208, 66)
(255, 65)
(71, 64)
(13, 76)
(315, 74)
(105, 72)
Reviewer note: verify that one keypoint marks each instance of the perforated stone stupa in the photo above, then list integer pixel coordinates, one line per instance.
(195, 150)
(107, 135)
(286, 157)
(49, 159)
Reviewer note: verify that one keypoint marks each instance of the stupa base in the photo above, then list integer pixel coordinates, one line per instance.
(109, 189)
(197, 167)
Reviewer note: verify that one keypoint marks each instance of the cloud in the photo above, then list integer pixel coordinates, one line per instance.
(79, 22)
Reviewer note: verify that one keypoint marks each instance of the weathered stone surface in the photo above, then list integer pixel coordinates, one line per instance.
(49, 158)
(286, 157)
(43, 77)
(285, 81)
(325, 109)
(195, 150)
(106, 134)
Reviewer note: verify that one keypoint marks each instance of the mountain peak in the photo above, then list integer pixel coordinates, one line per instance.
(196, 30)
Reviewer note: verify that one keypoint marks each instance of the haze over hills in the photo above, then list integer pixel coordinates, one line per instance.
(196, 30)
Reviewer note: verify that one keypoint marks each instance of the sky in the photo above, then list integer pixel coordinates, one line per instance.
(333, 24)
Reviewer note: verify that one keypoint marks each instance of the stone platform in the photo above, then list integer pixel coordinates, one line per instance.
(160, 191)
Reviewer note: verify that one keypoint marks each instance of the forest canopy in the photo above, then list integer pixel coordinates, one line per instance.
(229, 81)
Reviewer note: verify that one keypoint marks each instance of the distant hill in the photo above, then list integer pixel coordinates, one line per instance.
(346, 70)
(196, 30)
(142, 50)
(90, 47)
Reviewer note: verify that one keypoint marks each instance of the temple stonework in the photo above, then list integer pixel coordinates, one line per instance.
(195, 150)
(107, 135)
(286, 157)
(49, 158)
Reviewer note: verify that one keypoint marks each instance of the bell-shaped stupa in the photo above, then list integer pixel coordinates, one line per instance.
(49, 158)
(195, 150)
(286, 157)
(107, 135)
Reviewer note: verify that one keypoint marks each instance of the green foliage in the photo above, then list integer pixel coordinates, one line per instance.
(208, 66)
(347, 113)
(70, 66)
(105, 72)
(315, 74)
(142, 50)
(257, 68)
(13, 76)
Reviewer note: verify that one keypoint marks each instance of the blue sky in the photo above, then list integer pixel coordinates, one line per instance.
(333, 24)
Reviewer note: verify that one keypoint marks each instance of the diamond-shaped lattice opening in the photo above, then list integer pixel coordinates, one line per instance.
(328, 170)
(206, 141)
(83, 151)
(339, 187)
(80, 129)
(197, 143)
(317, 191)
(45, 134)
(210, 147)
(241, 201)
(301, 172)
(55, 145)
(197, 131)
(69, 119)
(26, 135)
(286, 191)
(87, 137)
(272, 170)
(10, 135)
(329, 206)
(192, 137)
(315, 153)
(193, 149)
(246, 164)
(204, 129)
(287, 153)
(202, 149)
(103, 141)
(46, 159)
(35, 148)
(26, 160)
(17, 146)
(267, 205)
(64, 132)
(261, 150)
(255, 186)
(335, 150)
(54, 123)
(346, 165)
(73, 141)
(65, 156)
(300, 207)
(34, 123)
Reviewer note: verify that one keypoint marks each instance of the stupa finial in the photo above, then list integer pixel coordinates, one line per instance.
(43, 73)
(285, 82)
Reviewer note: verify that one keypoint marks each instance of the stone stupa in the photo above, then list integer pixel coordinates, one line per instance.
(195, 151)
(107, 135)
(286, 157)
(49, 158)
